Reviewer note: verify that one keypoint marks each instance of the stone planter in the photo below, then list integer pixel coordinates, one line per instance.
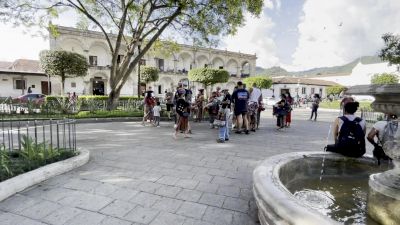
(21, 182)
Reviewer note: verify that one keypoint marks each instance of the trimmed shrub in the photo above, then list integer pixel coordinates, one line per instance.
(261, 82)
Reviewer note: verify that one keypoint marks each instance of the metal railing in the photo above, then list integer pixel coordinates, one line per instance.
(49, 134)
(371, 116)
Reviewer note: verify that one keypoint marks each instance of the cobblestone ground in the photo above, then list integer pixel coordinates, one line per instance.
(141, 175)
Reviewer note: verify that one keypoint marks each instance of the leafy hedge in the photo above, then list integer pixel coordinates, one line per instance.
(335, 90)
(262, 82)
(94, 97)
(208, 76)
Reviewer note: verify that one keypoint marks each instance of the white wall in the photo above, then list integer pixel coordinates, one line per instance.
(7, 86)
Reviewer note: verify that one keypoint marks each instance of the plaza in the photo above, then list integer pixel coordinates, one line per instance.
(141, 175)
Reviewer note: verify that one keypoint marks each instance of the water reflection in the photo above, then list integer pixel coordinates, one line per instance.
(343, 199)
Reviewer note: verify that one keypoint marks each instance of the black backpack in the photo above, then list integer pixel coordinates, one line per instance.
(351, 141)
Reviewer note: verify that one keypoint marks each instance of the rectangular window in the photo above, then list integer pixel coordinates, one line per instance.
(312, 91)
(159, 89)
(20, 84)
(303, 90)
(320, 91)
(159, 63)
(119, 58)
(221, 67)
(92, 60)
(73, 84)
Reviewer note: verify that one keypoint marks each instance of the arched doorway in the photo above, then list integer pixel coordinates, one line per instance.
(245, 72)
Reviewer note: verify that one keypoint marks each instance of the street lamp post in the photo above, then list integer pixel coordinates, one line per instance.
(140, 61)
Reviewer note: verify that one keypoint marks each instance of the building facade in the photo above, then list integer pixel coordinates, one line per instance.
(297, 87)
(173, 69)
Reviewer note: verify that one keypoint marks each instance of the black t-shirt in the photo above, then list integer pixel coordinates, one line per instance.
(240, 97)
(181, 106)
(227, 98)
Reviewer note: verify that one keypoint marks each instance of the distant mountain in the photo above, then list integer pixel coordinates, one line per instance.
(344, 69)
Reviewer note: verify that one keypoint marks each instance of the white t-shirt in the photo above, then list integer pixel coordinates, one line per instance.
(380, 127)
(156, 110)
(255, 95)
(351, 118)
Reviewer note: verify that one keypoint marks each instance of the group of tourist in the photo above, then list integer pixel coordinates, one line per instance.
(246, 106)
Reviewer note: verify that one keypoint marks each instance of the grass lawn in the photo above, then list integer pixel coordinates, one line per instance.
(336, 105)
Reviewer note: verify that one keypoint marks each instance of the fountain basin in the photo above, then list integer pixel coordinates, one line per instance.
(275, 176)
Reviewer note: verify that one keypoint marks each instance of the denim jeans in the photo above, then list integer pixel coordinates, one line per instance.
(224, 132)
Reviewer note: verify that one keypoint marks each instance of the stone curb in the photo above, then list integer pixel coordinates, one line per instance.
(21, 182)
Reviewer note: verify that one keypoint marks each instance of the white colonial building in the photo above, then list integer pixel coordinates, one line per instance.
(18, 76)
(173, 69)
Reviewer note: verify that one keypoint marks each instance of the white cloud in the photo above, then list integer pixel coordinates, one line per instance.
(16, 44)
(254, 38)
(336, 32)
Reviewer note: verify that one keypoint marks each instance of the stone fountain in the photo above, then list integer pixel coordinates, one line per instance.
(275, 176)
(384, 193)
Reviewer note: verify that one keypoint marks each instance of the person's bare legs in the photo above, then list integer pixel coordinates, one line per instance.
(246, 123)
(239, 122)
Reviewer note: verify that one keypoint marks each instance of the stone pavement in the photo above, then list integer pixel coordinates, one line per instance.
(141, 175)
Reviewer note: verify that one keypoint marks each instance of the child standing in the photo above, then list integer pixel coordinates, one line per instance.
(223, 116)
(156, 114)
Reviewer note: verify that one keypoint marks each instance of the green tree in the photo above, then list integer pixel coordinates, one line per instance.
(208, 76)
(385, 78)
(391, 51)
(63, 64)
(136, 23)
(262, 82)
(335, 89)
(148, 74)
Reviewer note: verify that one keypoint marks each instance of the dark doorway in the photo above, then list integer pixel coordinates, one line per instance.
(98, 87)
(45, 87)
(284, 90)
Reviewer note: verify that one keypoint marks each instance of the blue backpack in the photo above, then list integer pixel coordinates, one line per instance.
(351, 141)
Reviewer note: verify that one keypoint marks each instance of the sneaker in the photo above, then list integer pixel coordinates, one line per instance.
(190, 132)
(246, 132)
(158, 126)
(220, 141)
(226, 139)
(254, 130)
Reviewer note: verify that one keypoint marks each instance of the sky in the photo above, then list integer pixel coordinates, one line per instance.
(293, 34)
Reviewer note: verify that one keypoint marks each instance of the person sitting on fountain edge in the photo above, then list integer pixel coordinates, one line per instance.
(349, 133)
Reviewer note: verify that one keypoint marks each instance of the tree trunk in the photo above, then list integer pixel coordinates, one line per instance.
(62, 84)
(113, 98)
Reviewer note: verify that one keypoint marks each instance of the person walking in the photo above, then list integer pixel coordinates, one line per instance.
(199, 105)
(169, 101)
(255, 96)
(149, 103)
(289, 101)
(240, 98)
(314, 106)
(182, 108)
(156, 114)
(223, 117)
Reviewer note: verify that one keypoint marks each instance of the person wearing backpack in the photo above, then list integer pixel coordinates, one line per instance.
(349, 133)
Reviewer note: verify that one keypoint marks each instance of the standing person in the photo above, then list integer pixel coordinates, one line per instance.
(29, 90)
(169, 100)
(149, 103)
(255, 95)
(212, 108)
(280, 111)
(182, 110)
(240, 98)
(218, 91)
(314, 106)
(289, 101)
(199, 105)
(156, 114)
(223, 116)
(234, 121)
(349, 133)
(73, 100)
